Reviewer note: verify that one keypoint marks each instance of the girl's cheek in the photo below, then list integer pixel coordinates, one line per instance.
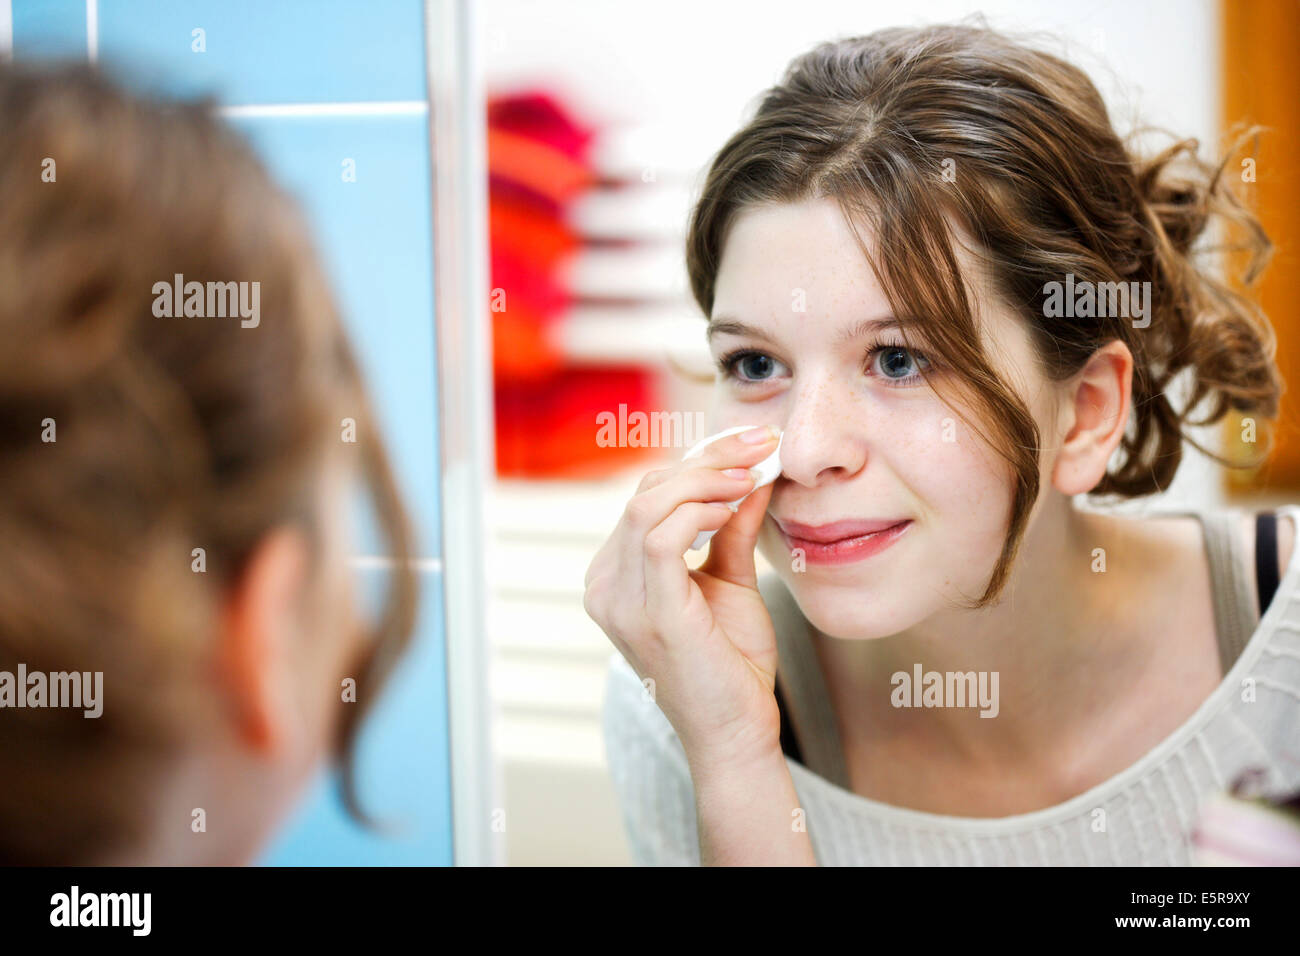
(956, 476)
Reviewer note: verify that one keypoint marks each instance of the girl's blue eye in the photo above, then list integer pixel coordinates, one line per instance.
(895, 362)
(900, 367)
(747, 367)
(755, 365)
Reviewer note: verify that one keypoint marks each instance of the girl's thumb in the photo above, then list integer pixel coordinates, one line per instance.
(731, 549)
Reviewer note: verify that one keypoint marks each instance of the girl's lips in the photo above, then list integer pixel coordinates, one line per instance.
(837, 530)
(842, 548)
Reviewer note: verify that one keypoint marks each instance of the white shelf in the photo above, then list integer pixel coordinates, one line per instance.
(634, 334)
(640, 211)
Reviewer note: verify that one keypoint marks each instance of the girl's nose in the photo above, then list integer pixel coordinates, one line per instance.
(821, 437)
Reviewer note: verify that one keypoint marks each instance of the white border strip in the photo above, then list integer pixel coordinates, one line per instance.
(458, 143)
(377, 108)
(6, 30)
(92, 30)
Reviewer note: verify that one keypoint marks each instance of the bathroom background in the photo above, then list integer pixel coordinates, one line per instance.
(500, 189)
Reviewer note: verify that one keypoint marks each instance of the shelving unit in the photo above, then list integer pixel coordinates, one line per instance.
(549, 660)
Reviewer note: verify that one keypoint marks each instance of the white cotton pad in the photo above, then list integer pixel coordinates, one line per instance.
(767, 471)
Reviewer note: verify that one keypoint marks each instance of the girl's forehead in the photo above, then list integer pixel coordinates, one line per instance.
(802, 231)
(802, 270)
(795, 258)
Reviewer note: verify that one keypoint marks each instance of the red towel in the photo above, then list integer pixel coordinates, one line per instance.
(546, 407)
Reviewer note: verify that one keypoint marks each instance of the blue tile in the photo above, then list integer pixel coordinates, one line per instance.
(49, 28)
(255, 51)
(376, 238)
(403, 770)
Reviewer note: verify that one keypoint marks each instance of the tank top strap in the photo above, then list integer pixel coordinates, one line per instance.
(802, 685)
(1236, 605)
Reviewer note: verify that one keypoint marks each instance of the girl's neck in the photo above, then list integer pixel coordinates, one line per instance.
(1067, 643)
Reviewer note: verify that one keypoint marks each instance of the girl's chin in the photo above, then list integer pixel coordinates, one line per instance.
(854, 630)
(839, 612)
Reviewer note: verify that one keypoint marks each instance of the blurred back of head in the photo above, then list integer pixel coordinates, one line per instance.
(129, 438)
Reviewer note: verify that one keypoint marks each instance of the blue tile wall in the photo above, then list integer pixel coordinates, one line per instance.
(49, 28)
(376, 239)
(270, 51)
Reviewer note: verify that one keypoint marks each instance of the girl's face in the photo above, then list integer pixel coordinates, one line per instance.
(866, 439)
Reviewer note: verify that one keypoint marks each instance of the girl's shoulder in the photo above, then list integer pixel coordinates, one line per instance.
(630, 703)
(640, 742)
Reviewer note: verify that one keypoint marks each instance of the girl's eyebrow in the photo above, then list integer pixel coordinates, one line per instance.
(868, 326)
(728, 325)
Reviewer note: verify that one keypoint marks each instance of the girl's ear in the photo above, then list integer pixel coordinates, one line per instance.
(1094, 414)
(258, 629)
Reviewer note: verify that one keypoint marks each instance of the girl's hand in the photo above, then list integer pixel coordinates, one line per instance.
(703, 637)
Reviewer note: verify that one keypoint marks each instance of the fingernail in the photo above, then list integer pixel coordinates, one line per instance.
(738, 473)
(721, 504)
(759, 435)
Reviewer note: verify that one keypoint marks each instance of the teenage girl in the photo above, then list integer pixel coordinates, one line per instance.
(881, 253)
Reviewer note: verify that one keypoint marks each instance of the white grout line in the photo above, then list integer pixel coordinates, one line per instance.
(374, 562)
(92, 30)
(377, 108)
(394, 108)
(6, 30)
